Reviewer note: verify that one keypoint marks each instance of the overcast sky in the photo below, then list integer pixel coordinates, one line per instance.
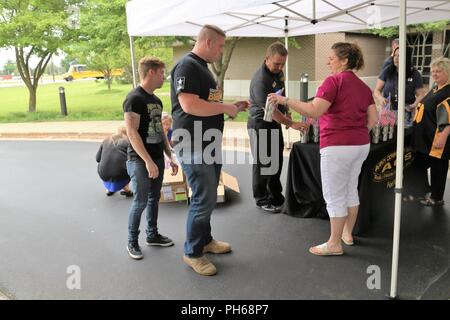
(8, 54)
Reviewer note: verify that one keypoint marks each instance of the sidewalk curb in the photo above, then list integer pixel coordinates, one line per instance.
(55, 135)
(226, 142)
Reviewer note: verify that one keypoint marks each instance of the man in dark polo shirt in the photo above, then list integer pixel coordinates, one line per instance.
(269, 78)
(197, 123)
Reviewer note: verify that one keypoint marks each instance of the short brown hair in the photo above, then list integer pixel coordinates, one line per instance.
(276, 48)
(351, 52)
(148, 63)
(208, 30)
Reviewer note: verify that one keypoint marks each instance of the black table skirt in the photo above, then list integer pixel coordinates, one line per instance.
(376, 185)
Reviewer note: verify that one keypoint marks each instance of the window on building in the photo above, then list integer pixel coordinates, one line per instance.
(422, 44)
(446, 49)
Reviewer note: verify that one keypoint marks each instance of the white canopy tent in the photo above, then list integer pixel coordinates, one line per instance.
(262, 18)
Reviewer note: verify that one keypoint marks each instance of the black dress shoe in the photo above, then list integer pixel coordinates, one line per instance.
(269, 208)
(127, 194)
(110, 193)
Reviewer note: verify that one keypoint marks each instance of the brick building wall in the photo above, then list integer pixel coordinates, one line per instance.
(311, 57)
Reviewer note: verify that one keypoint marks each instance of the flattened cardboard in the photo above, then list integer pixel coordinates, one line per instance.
(226, 180)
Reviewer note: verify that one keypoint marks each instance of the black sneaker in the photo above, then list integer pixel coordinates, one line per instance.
(134, 251)
(159, 240)
(127, 194)
(269, 208)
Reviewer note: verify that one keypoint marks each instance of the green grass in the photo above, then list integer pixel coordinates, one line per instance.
(86, 100)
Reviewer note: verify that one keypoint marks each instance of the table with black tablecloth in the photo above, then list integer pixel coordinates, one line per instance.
(376, 185)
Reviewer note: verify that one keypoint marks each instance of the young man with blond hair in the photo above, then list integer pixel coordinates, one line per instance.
(145, 164)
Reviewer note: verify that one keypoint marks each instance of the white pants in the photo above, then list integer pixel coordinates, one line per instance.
(340, 167)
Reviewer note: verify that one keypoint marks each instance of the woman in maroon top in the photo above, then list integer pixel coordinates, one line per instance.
(347, 112)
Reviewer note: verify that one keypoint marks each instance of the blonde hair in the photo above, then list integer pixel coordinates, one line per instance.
(210, 31)
(442, 63)
(166, 116)
(148, 63)
(121, 134)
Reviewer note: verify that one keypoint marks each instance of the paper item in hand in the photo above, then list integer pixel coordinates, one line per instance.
(279, 92)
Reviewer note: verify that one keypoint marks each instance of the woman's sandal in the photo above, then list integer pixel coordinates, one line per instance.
(431, 203)
(349, 243)
(322, 250)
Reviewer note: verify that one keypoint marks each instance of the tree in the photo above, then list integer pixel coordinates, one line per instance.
(220, 67)
(67, 61)
(391, 32)
(103, 41)
(35, 28)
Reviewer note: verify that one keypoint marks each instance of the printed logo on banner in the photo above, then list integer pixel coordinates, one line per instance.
(180, 83)
(384, 170)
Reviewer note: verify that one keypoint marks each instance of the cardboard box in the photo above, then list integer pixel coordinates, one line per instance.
(174, 188)
(225, 181)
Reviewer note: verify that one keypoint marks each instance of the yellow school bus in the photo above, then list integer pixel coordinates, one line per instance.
(79, 71)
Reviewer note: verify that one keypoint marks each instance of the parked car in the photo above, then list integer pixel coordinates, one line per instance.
(80, 71)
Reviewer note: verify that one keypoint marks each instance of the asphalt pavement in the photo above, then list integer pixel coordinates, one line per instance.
(56, 223)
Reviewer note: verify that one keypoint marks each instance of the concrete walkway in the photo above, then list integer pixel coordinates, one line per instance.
(235, 133)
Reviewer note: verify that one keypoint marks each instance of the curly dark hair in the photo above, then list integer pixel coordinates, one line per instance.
(351, 52)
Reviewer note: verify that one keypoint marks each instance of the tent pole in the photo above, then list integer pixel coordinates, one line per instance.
(286, 89)
(400, 145)
(133, 63)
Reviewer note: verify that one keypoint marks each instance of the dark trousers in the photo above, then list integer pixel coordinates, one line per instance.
(146, 196)
(267, 188)
(438, 173)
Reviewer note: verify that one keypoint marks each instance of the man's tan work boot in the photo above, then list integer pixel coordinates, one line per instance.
(201, 265)
(216, 246)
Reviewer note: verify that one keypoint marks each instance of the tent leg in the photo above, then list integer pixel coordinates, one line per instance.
(133, 63)
(286, 89)
(400, 145)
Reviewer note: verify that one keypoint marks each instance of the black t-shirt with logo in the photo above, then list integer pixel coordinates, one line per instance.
(263, 83)
(149, 107)
(391, 86)
(191, 75)
(432, 112)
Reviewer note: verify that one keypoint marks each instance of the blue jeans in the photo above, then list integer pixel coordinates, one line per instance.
(203, 180)
(146, 195)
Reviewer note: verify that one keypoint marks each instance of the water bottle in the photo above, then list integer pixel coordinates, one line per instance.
(269, 107)
(376, 134)
(268, 110)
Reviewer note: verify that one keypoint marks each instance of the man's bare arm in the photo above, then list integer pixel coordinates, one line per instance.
(167, 148)
(132, 120)
(192, 104)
